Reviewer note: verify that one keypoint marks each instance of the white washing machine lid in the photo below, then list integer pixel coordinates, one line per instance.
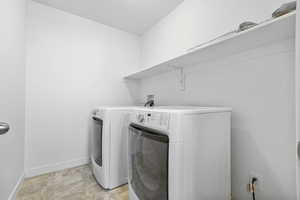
(115, 108)
(184, 109)
(170, 109)
(99, 111)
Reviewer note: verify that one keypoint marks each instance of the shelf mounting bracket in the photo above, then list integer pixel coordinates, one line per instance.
(181, 77)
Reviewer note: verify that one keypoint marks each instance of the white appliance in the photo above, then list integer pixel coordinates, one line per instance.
(179, 153)
(109, 146)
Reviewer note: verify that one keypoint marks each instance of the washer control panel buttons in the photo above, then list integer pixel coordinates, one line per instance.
(153, 119)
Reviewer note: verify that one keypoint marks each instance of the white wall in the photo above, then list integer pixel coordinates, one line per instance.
(196, 21)
(258, 85)
(73, 66)
(12, 90)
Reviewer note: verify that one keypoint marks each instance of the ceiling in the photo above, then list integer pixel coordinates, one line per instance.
(134, 16)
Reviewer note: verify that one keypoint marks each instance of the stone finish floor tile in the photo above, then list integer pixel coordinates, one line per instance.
(70, 184)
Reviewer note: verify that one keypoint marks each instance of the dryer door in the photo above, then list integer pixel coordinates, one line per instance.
(148, 163)
(97, 140)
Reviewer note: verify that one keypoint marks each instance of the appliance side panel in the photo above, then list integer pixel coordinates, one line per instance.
(118, 148)
(206, 156)
(176, 163)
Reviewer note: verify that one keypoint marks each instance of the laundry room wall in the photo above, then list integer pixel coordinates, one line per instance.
(257, 84)
(73, 66)
(12, 101)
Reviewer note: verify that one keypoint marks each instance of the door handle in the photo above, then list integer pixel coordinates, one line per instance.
(4, 128)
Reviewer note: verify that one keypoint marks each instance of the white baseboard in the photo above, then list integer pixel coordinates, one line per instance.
(56, 167)
(17, 187)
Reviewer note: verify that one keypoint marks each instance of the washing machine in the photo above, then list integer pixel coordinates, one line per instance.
(178, 153)
(109, 146)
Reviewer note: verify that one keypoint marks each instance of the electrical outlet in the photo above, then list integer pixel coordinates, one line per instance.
(259, 182)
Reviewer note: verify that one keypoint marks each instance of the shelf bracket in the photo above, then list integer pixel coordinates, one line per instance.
(181, 77)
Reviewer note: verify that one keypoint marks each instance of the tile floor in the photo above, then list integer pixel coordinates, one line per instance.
(71, 184)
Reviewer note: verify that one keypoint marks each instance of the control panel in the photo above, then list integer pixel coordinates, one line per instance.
(153, 119)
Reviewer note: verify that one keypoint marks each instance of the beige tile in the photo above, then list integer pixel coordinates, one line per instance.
(71, 184)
